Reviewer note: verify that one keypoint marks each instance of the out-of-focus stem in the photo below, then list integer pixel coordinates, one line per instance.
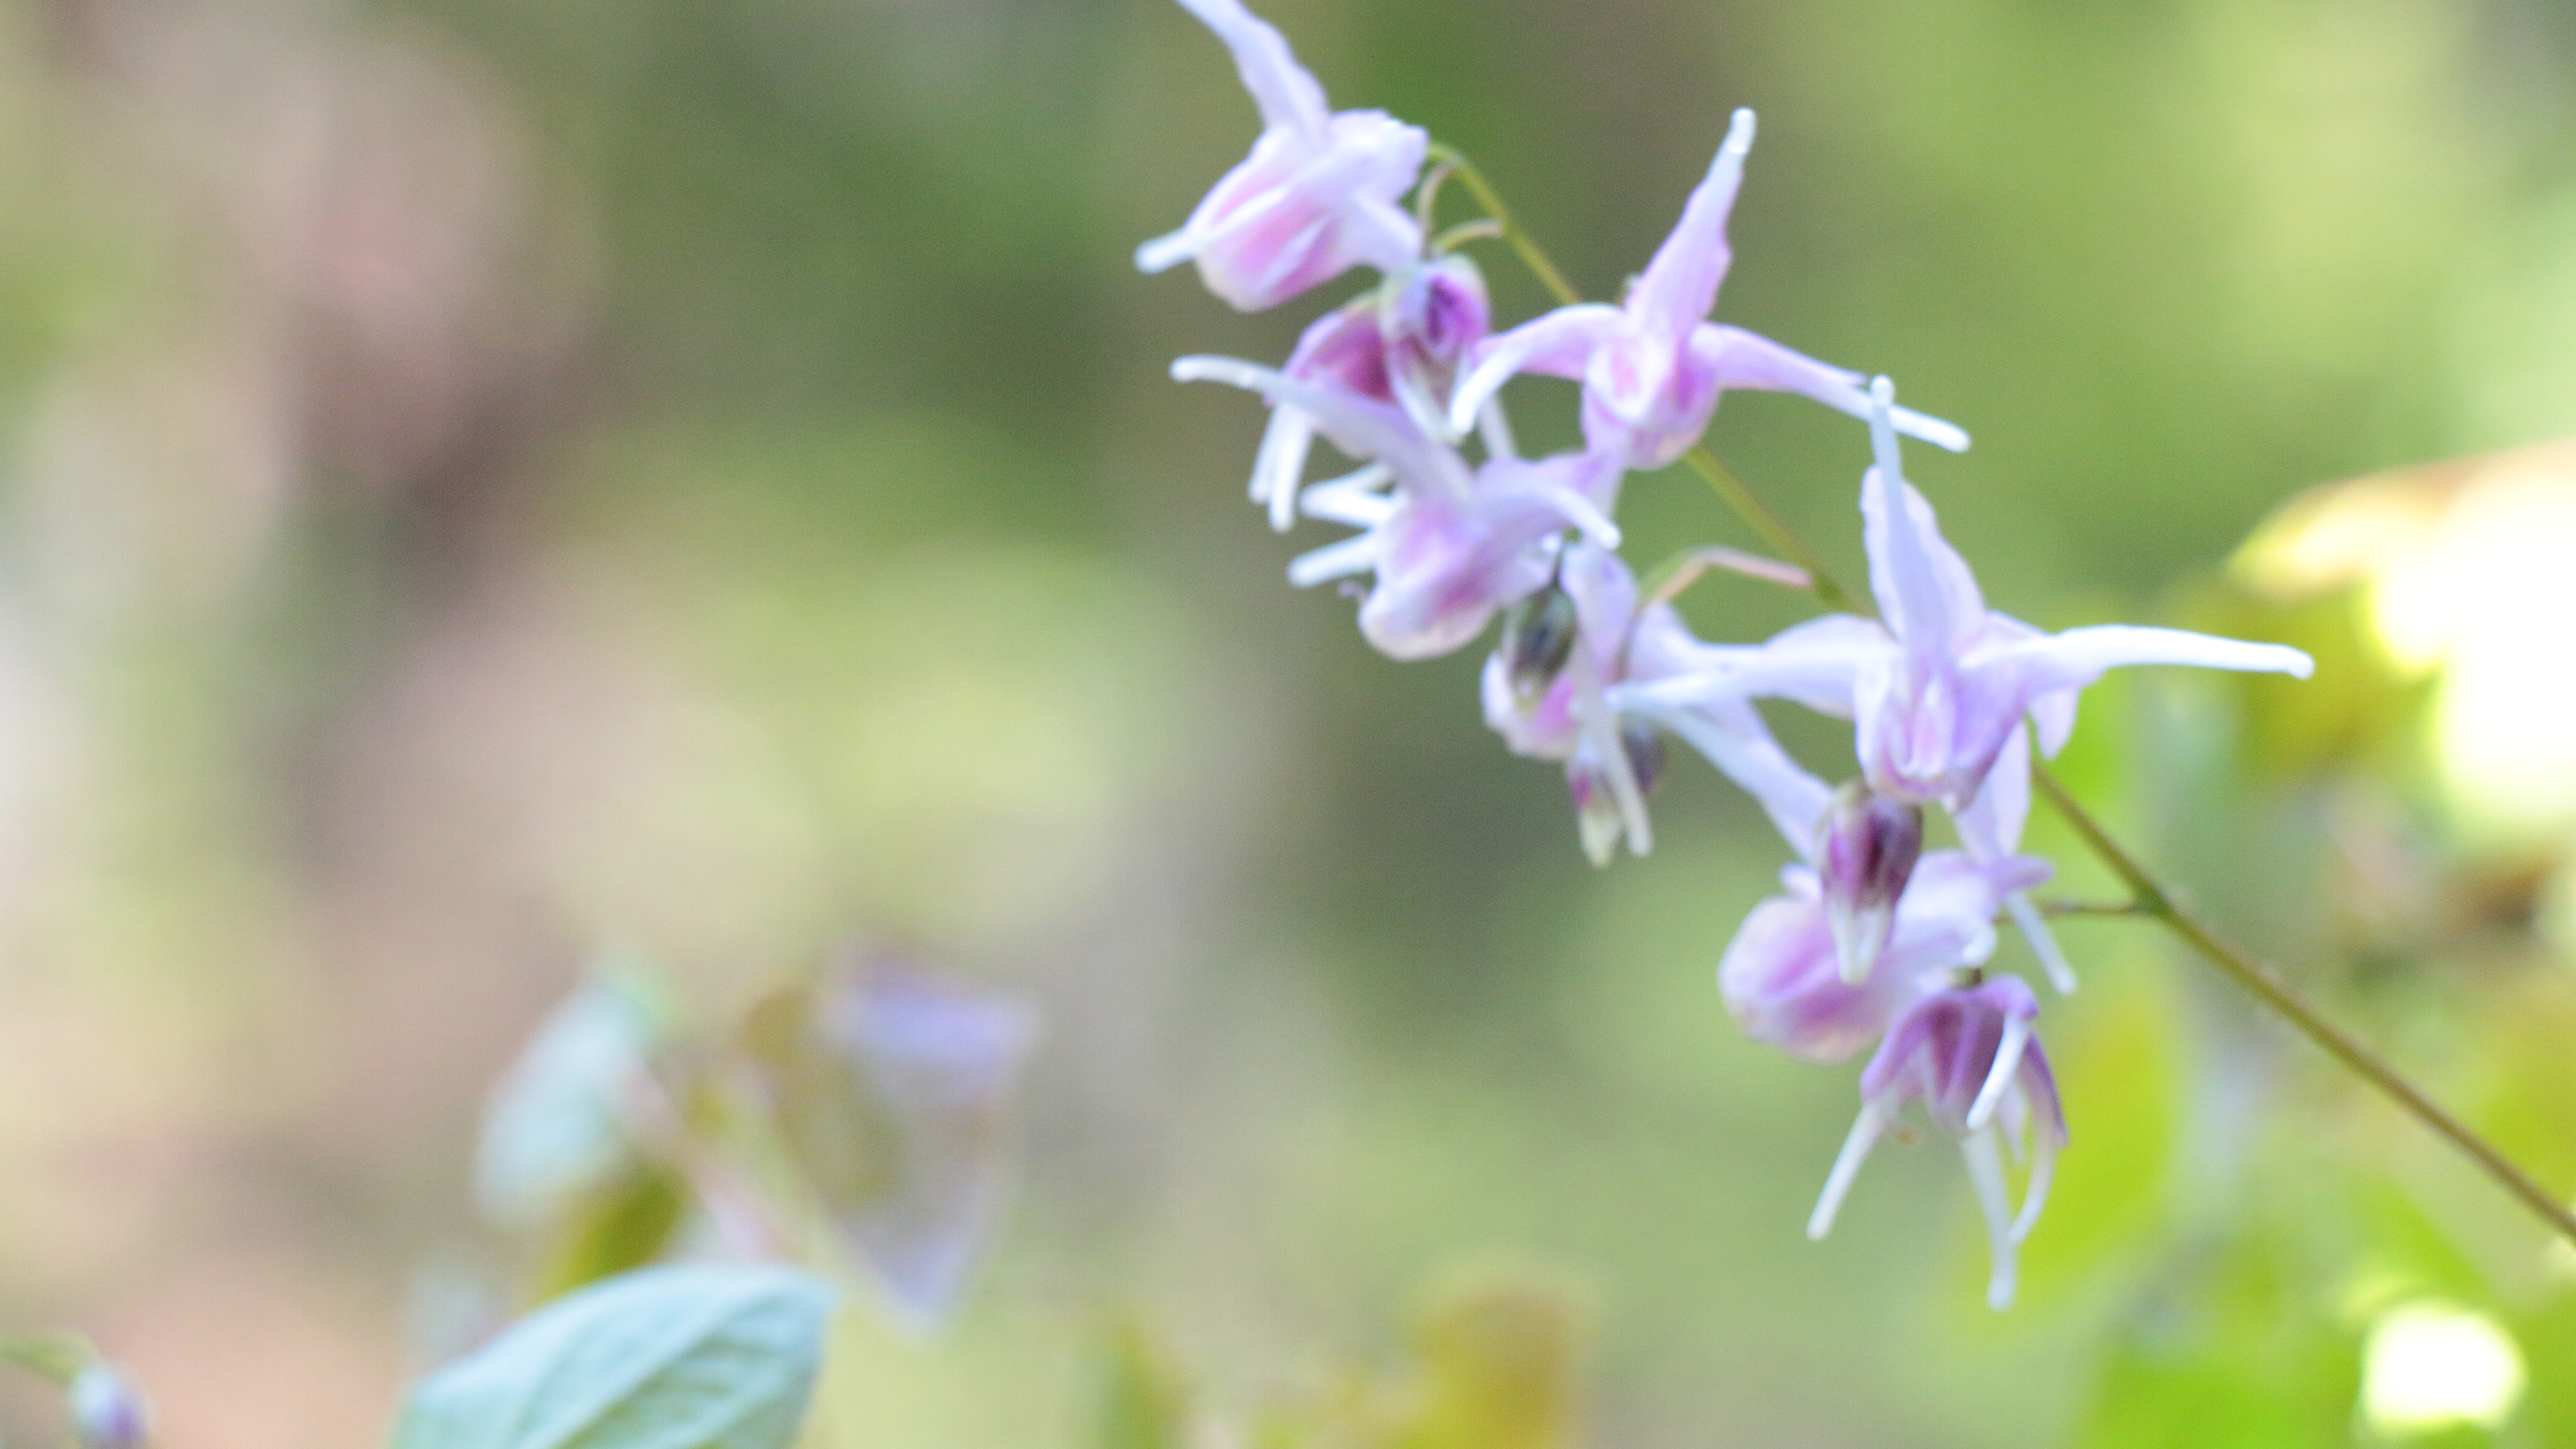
(2266, 986)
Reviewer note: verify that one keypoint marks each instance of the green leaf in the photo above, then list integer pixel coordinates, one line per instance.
(663, 1358)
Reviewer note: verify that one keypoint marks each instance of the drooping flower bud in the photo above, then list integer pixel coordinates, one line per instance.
(1600, 814)
(106, 1411)
(1431, 314)
(1871, 844)
(1968, 1055)
(1539, 635)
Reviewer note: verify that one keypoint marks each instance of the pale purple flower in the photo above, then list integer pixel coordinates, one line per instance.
(1652, 368)
(1317, 196)
(1398, 347)
(939, 1060)
(1451, 543)
(1968, 1055)
(1940, 688)
(1576, 715)
(1782, 975)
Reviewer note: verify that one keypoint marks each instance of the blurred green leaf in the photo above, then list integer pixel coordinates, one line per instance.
(2120, 1078)
(1145, 1402)
(553, 1132)
(621, 1224)
(2354, 713)
(662, 1358)
(1501, 1350)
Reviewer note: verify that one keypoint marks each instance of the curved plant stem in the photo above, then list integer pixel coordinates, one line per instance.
(2266, 986)
(2151, 898)
(1783, 540)
(1519, 241)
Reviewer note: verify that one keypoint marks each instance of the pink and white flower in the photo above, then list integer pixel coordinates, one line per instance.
(1969, 1056)
(1652, 368)
(1317, 196)
(1782, 975)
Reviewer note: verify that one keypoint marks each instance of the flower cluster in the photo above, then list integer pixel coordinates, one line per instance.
(1874, 941)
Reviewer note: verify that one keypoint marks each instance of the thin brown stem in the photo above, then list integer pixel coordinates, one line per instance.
(2268, 987)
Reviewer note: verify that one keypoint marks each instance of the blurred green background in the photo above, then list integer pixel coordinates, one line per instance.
(482, 481)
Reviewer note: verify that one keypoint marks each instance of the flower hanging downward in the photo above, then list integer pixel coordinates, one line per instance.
(1968, 1055)
(1316, 197)
(1652, 369)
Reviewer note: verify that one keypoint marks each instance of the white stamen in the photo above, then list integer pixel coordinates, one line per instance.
(1352, 499)
(1281, 462)
(1864, 1135)
(1496, 430)
(1484, 380)
(1986, 1174)
(1166, 252)
(1334, 561)
(1947, 436)
(2007, 1061)
(2043, 1165)
(1584, 514)
(2043, 942)
(1925, 613)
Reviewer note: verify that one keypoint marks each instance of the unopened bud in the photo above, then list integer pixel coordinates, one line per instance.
(106, 1411)
(1538, 637)
(1871, 844)
(1432, 314)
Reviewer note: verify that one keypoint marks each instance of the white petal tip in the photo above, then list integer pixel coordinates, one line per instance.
(1739, 130)
(1999, 1294)
(1165, 252)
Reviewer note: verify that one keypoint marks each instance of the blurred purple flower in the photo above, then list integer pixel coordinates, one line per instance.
(1782, 978)
(1316, 197)
(939, 1060)
(106, 1410)
(1653, 367)
(1968, 1055)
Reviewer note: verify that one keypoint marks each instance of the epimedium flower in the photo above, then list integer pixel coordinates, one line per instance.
(1968, 1054)
(1940, 688)
(1449, 544)
(1550, 689)
(1317, 196)
(1399, 347)
(1653, 367)
(1783, 977)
